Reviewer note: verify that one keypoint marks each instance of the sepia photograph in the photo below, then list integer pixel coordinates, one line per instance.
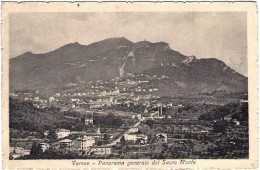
(104, 85)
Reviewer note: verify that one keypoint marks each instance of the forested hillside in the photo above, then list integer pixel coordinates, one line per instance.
(24, 116)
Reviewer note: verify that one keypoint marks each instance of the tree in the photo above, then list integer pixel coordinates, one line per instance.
(106, 138)
(150, 123)
(34, 149)
(122, 140)
(161, 156)
(79, 126)
(52, 134)
(219, 127)
(39, 149)
(107, 121)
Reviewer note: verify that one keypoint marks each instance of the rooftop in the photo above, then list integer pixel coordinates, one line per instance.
(62, 130)
(100, 147)
(88, 138)
(65, 141)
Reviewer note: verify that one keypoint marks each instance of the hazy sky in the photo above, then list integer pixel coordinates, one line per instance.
(221, 35)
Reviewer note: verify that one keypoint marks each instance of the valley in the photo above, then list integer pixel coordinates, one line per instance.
(116, 99)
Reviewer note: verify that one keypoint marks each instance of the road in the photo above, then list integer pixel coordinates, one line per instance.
(127, 131)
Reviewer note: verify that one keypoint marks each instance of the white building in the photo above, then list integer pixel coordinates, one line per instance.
(101, 150)
(134, 137)
(62, 133)
(51, 98)
(143, 81)
(66, 143)
(139, 116)
(243, 101)
(89, 121)
(44, 146)
(57, 95)
(46, 133)
(86, 142)
(75, 100)
(133, 129)
(236, 122)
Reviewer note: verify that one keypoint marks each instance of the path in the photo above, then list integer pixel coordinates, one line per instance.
(127, 131)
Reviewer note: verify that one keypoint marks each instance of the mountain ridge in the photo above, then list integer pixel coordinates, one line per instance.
(74, 63)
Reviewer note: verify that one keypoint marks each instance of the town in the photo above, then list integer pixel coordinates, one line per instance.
(127, 118)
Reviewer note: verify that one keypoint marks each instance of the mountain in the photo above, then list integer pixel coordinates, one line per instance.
(198, 76)
(74, 65)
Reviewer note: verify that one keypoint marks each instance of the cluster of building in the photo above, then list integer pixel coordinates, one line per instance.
(33, 96)
(81, 142)
(84, 144)
(135, 90)
(169, 129)
(16, 152)
(134, 136)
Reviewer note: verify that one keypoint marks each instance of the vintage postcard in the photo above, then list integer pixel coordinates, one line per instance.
(129, 85)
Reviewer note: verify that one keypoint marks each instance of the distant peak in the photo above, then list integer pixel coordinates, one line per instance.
(162, 43)
(143, 42)
(76, 43)
(28, 53)
(116, 39)
(24, 55)
(122, 38)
